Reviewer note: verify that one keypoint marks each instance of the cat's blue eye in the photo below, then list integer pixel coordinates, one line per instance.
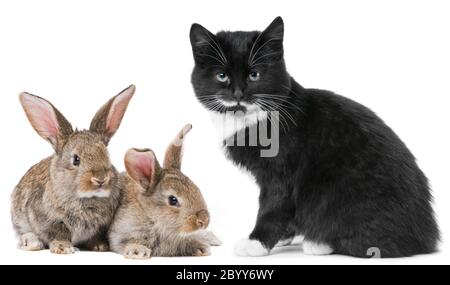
(222, 77)
(254, 75)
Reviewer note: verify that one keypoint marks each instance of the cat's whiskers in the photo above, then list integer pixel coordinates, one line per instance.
(222, 59)
(282, 112)
(253, 47)
(286, 112)
(282, 98)
(210, 101)
(215, 107)
(265, 43)
(209, 96)
(293, 92)
(219, 50)
(214, 57)
(290, 89)
(256, 64)
(269, 108)
(265, 110)
(265, 55)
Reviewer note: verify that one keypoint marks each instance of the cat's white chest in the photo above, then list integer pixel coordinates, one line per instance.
(227, 124)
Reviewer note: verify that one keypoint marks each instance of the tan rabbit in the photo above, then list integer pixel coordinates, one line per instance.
(69, 199)
(162, 212)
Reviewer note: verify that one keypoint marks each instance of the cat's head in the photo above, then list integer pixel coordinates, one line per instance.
(239, 71)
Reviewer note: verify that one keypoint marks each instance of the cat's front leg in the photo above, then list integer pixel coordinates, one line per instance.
(290, 237)
(272, 225)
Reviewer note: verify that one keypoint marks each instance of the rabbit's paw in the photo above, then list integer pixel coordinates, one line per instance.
(100, 246)
(30, 241)
(137, 251)
(201, 251)
(61, 247)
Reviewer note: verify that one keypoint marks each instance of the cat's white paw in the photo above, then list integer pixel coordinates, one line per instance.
(30, 241)
(249, 247)
(298, 239)
(293, 240)
(284, 242)
(313, 248)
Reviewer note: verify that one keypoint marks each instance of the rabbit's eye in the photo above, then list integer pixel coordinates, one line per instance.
(173, 201)
(76, 160)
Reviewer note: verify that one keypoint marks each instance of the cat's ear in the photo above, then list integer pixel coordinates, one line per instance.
(199, 35)
(268, 46)
(205, 46)
(275, 30)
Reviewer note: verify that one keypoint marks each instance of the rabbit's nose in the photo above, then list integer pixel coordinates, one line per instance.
(202, 219)
(98, 182)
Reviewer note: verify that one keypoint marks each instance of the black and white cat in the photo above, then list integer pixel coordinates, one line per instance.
(341, 177)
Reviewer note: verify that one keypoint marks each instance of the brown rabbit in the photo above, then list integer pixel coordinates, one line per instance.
(162, 212)
(69, 199)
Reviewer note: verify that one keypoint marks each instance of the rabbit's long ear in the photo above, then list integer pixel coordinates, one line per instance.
(107, 120)
(48, 122)
(174, 152)
(143, 167)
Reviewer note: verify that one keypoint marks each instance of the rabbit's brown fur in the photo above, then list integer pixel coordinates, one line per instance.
(146, 224)
(58, 204)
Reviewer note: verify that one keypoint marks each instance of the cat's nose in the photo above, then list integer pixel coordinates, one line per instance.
(238, 94)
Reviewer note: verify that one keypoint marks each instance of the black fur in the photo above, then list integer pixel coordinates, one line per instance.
(341, 177)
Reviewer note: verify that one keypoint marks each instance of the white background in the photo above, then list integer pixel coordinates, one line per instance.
(392, 56)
